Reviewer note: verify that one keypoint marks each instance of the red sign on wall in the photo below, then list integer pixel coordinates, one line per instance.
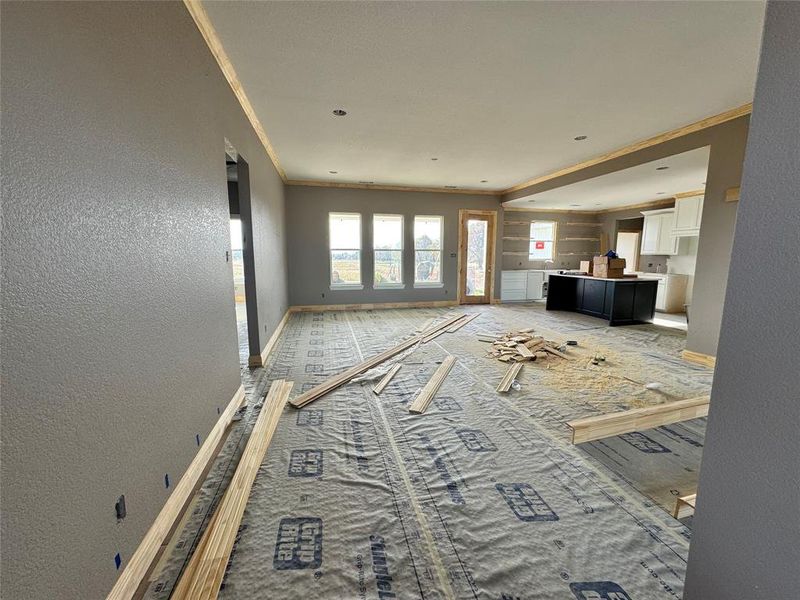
(540, 245)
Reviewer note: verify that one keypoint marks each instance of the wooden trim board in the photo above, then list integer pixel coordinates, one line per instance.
(392, 188)
(203, 575)
(261, 359)
(684, 506)
(700, 359)
(374, 306)
(509, 377)
(334, 382)
(426, 394)
(139, 565)
(732, 194)
(660, 203)
(690, 194)
(637, 419)
(462, 322)
(711, 121)
(203, 23)
(386, 379)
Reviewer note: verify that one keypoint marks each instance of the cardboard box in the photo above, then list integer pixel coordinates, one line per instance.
(586, 266)
(606, 273)
(611, 263)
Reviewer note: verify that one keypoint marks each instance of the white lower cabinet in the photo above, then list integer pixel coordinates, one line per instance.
(521, 286)
(671, 293)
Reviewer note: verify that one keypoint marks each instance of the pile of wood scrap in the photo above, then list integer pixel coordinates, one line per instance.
(522, 345)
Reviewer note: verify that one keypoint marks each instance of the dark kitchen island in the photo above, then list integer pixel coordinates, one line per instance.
(622, 301)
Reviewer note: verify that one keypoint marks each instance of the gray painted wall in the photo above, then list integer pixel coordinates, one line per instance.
(746, 538)
(562, 260)
(118, 317)
(307, 230)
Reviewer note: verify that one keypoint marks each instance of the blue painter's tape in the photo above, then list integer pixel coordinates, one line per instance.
(118, 560)
(166, 480)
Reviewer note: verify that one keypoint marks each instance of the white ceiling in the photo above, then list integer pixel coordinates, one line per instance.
(642, 183)
(494, 90)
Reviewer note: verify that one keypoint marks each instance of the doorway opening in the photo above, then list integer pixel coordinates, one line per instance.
(238, 175)
(628, 248)
(476, 243)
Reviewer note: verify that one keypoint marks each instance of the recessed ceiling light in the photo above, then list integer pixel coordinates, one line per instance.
(580, 138)
(574, 204)
(333, 172)
(339, 112)
(531, 201)
(434, 159)
(661, 168)
(484, 181)
(597, 204)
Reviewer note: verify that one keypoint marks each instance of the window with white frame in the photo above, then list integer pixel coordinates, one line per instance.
(387, 245)
(345, 247)
(427, 251)
(543, 240)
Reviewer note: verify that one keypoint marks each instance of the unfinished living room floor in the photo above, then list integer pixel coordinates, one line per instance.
(482, 496)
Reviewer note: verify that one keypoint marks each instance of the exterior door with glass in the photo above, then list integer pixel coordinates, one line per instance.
(476, 243)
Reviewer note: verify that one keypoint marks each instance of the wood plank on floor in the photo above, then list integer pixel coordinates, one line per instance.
(637, 419)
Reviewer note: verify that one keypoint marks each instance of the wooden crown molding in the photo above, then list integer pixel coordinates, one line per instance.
(650, 204)
(391, 188)
(723, 117)
(203, 23)
(690, 194)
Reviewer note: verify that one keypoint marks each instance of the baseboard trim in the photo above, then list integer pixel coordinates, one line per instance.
(700, 359)
(376, 306)
(259, 360)
(142, 559)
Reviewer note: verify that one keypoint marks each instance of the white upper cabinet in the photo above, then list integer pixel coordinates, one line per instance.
(657, 236)
(688, 213)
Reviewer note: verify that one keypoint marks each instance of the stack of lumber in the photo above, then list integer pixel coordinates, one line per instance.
(522, 345)
(203, 575)
(334, 382)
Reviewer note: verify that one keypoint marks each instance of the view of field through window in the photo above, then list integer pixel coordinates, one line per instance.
(345, 245)
(476, 256)
(427, 249)
(387, 232)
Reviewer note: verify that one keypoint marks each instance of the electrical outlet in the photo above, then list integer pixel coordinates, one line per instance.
(120, 509)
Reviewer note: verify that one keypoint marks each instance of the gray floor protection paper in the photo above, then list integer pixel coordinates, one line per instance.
(482, 496)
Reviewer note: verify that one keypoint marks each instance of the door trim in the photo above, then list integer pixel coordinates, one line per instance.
(463, 215)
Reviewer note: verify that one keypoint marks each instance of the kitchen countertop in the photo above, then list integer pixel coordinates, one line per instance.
(634, 279)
